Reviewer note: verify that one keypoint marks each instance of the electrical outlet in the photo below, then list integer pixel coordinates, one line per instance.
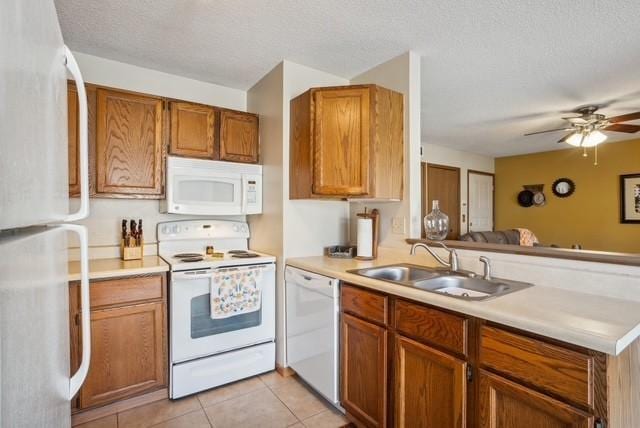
(397, 225)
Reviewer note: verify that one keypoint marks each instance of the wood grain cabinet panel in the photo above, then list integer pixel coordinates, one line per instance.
(128, 339)
(347, 142)
(364, 371)
(73, 138)
(239, 138)
(431, 387)
(441, 328)
(554, 369)
(127, 353)
(192, 130)
(129, 145)
(505, 404)
(341, 142)
(365, 304)
(120, 291)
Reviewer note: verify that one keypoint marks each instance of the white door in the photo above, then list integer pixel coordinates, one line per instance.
(33, 115)
(480, 201)
(194, 334)
(36, 386)
(312, 329)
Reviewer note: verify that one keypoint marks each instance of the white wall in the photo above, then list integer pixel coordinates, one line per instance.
(289, 228)
(310, 224)
(106, 214)
(401, 74)
(433, 153)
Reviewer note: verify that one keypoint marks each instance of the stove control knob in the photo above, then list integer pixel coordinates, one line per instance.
(165, 229)
(236, 228)
(175, 229)
(245, 228)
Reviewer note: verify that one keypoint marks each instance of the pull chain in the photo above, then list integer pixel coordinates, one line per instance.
(595, 150)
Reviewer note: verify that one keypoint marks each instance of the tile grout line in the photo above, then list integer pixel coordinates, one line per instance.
(291, 410)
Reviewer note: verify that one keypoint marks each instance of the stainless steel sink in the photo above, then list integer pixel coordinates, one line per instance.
(403, 273)
(459, 284)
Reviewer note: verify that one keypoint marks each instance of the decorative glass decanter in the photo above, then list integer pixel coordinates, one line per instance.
(436, 223)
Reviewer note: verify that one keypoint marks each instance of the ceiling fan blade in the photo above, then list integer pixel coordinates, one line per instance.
(623, 127)
(549, 130)
(565, 138)
(624, 117)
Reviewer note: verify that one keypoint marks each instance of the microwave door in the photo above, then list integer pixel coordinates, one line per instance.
(213, 194)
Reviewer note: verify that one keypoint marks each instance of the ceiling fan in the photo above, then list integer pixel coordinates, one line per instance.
(586, 129)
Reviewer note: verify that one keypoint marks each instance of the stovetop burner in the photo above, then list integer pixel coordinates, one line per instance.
(237, 251)
(192, 259)
(187, 255)
(244, 255)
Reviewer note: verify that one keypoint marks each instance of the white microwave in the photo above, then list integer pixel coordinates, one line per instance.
(206, 187)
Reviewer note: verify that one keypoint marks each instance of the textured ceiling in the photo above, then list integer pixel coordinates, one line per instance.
(491, 70)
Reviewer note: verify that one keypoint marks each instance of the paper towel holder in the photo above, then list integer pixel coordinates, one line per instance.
(374, 215)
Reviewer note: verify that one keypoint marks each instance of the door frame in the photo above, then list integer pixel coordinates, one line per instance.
(493, 197)
(425, 194)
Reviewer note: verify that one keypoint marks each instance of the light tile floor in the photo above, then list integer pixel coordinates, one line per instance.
(269, 400)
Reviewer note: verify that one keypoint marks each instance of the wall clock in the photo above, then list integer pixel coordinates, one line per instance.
(563, 187)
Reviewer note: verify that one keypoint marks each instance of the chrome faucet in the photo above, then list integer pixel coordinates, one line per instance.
(487, 267)
(453, 255)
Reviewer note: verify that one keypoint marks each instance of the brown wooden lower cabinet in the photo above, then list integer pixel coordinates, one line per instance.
(128, 339)
(431, 387)
(506, 404)
(448, 370)
(364, 370)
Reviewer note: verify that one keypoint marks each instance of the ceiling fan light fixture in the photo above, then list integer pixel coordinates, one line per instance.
(594, 138)
(575, 139)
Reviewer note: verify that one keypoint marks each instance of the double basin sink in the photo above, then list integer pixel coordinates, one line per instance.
(459, 284)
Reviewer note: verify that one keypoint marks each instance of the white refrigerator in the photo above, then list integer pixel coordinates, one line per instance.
(36, 384)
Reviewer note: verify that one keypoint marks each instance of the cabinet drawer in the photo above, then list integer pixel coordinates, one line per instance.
(365, 304)
(126, 290)
(554, 369)
(432, 325)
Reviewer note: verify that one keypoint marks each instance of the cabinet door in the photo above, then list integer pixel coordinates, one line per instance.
(505, 404)
(127, 353)
(73, 138)
(192, 130)
(341, 138)
(129, 154)
(364, 371)
(239, 140)
(431, 387)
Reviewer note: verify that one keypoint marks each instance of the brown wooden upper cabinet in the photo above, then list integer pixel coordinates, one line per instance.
(192, 130)
(73, 135)
(347, 142)
(239, 140)
(129, 148)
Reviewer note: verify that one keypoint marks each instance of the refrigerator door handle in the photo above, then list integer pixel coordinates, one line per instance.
(79, 377)
(83, 116)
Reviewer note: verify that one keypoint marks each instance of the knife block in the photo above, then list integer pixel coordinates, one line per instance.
(131, 253)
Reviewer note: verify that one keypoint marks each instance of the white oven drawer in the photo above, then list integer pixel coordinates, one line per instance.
(205, 373)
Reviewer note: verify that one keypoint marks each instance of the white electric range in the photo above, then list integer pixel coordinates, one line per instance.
(206, 352)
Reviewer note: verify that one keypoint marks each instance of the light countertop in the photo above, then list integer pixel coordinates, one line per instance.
(113, 268)
(595, 322)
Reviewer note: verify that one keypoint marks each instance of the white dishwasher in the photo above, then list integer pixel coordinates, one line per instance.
(312, 329)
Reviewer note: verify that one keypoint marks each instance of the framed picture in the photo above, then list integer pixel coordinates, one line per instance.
(630, 198)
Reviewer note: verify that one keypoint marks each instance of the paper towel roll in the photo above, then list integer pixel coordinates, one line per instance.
(365, 237)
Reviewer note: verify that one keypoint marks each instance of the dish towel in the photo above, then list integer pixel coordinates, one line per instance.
(235, 291)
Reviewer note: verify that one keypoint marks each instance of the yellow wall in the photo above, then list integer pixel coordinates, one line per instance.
(591, 216)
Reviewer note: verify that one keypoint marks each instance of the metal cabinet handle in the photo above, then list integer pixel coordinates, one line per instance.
(76, 381)
(83, 113)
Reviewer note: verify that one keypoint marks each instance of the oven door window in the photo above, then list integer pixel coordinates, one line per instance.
(202, 325)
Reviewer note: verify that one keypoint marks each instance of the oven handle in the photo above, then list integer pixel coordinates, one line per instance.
(192, 274)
